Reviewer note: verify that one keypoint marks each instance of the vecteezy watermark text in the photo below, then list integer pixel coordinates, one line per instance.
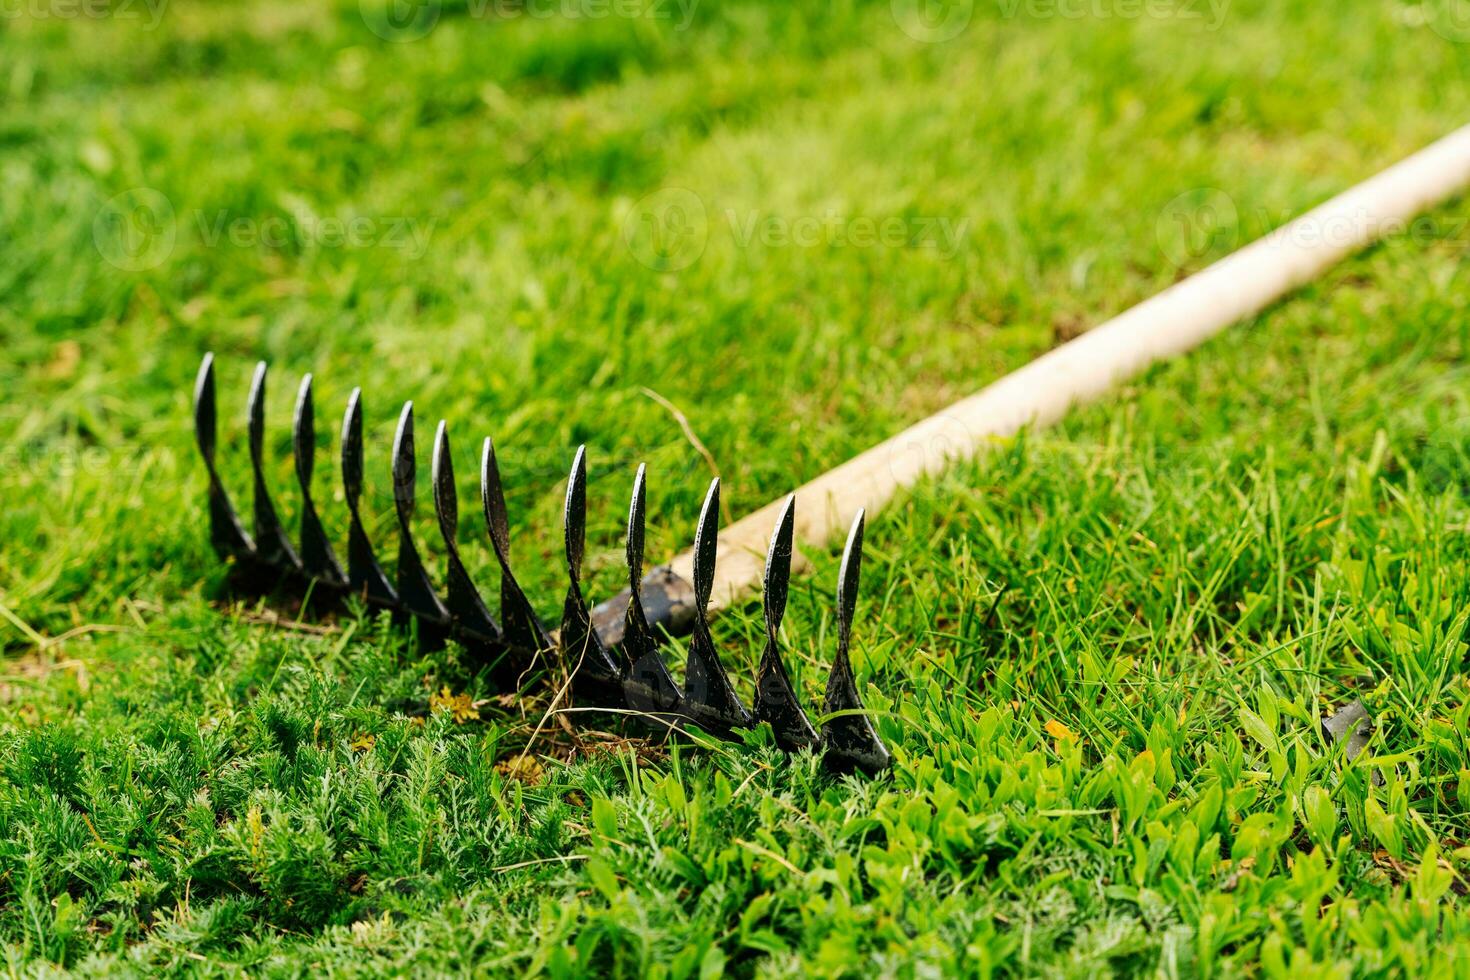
(937, 21)
(406, 234)
(148, 11)
(669, 230)
(1205, 221)
(1209, 14)
(413, 20)
(139, 228)
(836, 230)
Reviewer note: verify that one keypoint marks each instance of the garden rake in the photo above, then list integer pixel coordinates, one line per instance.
(613, 649)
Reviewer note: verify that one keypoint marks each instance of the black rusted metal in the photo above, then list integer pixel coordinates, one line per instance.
(596, 675)
(365, 577)
(852, 741)
(775, 700)
(612, 652)
(272, 546)
(467, 611)
(518, 620)
(318, 559)
(416, 595)
(647, 686)
(227, 535)
(710, 700)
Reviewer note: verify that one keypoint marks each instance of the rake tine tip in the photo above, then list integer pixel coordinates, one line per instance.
(441, 441)
(352, 449)
(441, 475)
(204, 409)
(778, 566)
(706, 545)
(205, 373)
(492, 501)
(303, 434)
(575, 514)
(404, 465)
(637, 511)
(851, 740)
(848, 575)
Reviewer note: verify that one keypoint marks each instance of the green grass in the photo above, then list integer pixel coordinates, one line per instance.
(1100, 654)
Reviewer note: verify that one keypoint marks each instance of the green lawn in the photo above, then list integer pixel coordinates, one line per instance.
(1100, 655)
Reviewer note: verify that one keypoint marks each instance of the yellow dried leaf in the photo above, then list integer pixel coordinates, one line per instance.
(463, 709)
(459, 706)
(1059, 731)
(522, 768)
(363, 741)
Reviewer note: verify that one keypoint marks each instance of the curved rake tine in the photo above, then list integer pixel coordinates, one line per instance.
(596, 673)
(852, 741)
(775, 701)
(318, 559)
(472, 621)
(518, 619)
(415, 592)
(272, 545)
(709, 697)
(226, 534)
(365, 576)
(647, 685)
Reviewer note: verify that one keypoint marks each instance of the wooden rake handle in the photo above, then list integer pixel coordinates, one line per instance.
(1171, 323)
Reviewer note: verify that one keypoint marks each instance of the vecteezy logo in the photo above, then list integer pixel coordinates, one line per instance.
(400, 21)
(932, 21)
(1195, 224)
(667, 230)
(1450, 19)
(135, 230)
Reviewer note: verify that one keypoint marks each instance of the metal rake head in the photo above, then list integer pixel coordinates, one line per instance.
(611, 650)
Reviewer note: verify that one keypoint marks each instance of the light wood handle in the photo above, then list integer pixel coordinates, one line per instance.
(1176, 320)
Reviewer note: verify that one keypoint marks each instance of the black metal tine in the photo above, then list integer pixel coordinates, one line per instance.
(318, 559)
(365, 576)
(596, 673)
(226, 534)
(415, 592)
(272, 545)
(518, 620)
(647, 685)
(851, 740)
(775, 700)
(709, 697)
(472, 621)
